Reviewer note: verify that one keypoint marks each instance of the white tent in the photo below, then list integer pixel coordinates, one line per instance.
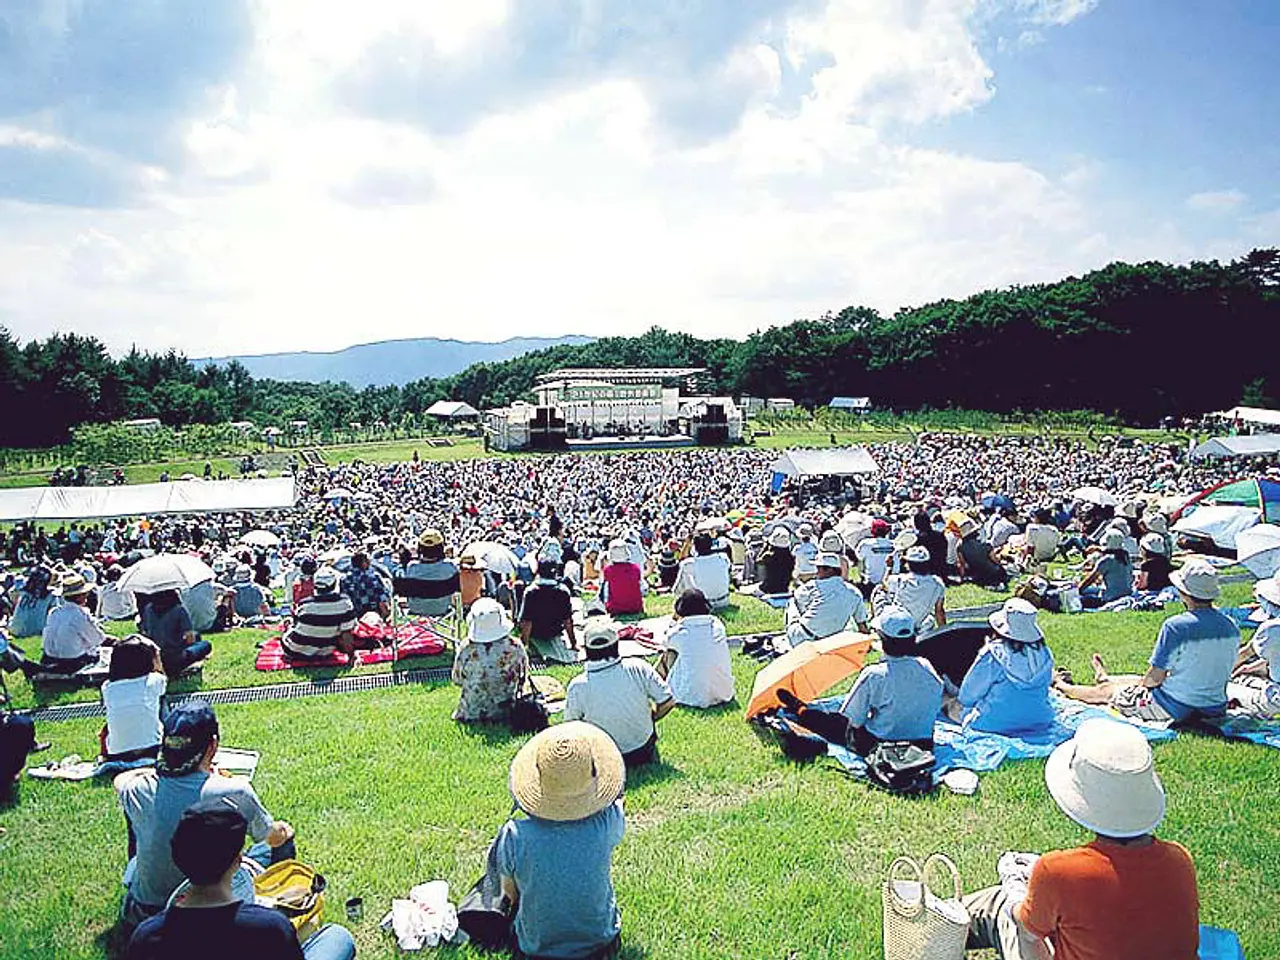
(452, 409)
(1258, 445)
(837, 462)
(1268, 418)
(1217, 523)
(146, 499)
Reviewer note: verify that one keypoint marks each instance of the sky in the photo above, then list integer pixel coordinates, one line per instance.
(252, 176)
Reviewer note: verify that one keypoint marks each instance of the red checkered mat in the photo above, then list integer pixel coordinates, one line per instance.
(414, 640)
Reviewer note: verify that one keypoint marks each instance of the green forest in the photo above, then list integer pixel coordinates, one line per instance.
(1138, 342)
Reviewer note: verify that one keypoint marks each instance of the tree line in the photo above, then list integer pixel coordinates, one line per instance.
(1136, 341)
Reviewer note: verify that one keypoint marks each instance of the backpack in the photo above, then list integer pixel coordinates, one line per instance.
(901, 767)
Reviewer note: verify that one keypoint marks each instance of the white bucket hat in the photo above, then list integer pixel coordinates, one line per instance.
(487, 621)
(831, 560)
(619, 552)
(1197, 579)
(1268, 590)
(1113, 540)
(1156, 523)
(831, 542)
(326, 578)
(1154, 543)
(1016, 620)
(917, 554)
(1104, 779)
(780, 537)
(567, 772)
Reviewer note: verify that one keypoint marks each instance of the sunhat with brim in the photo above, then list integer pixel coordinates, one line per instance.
(905, 540)
(1104, 779)
(831, 542)
(1113, 540)
(75, 586)
(780, 537)
(600, 634)
(895, 623)
(431, 538)
(1197, 580)
(829, 560)
(244, 574)
(487, 621)
(619, 552)
(1016, 620)
(1154, 543)
(326, 578)
(1156, 523)
(1268, 590)
(918, 554)
(567, 772)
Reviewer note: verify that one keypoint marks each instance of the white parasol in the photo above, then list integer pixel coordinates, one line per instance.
(165, 571)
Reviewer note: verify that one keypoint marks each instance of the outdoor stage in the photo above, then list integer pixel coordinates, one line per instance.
(632, 443)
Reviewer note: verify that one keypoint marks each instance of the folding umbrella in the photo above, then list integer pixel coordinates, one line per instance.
(165, 571)
(809, 670)
(1258, 548)
(260, 538)
(1096, 495)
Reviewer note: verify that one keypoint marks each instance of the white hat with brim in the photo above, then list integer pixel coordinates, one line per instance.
(1113, 540)
(1156, 523)
(567, 772)
(619, 552)
(1104, 779)
(829, 560)
(487, 621)
(1016, 620)
(75, 586)
(1197, 580)
(1268, 590)
(780, 537)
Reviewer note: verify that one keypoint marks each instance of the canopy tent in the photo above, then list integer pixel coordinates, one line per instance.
(452, 409)
(1220, 524)
(838, 462)
(1258, 445)
(1262, 494)
(146, 499)
(1260, 415)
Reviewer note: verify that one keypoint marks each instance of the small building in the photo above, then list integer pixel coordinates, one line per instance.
(850, 404)
(242, 426)
(751, 406)
(299, 426)
(779, 405)
(453, 410)
(143, 425)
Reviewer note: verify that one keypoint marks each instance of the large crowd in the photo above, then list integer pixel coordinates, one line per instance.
(532, 559)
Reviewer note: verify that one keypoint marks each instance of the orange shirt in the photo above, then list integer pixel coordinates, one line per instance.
(1111, 901)
(470, 584)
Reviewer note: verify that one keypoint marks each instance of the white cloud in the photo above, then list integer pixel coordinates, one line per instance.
(1056, 13)
(1216, 201)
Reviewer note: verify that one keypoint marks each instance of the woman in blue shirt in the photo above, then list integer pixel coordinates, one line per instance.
(1112, 574)
(1007, 688)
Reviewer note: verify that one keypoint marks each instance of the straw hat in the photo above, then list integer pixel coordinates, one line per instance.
(567, 772)
(487, 621)
(1016, 620)
(968, 526)
(1104, 779)
(780, 537)
(1198, 580)
(74, 585)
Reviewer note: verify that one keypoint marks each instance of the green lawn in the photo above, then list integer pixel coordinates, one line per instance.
(731, 851)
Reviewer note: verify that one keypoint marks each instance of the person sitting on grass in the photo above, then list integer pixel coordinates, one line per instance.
(251, 599)
(696, 662)
(920, 592)
(208, 918)
(624, 698)
(163, 618)
(1154, 568)
(323, 623)
(1190, 667)
(1112, 575)
(114, 603)
(35, 601)
(1255, 679)
(492, 667)
(555, 863)
(365, 588)
(131, 695)
(71, 636)
(824, 606)
(153, 801)
(1126, 894)
(304, 587)
(707, 571)
(775, 563)
(897, 698)
(621, 582)
(1007, 688)
(546, 617)
(975, 560)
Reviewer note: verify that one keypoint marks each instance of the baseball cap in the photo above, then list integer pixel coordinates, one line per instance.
(188, 730)
(828, 560)
(894, 622)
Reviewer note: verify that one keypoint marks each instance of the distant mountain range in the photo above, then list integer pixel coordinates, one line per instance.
(390, 362)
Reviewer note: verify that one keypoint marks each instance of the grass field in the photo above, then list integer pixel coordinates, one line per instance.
(731, 851)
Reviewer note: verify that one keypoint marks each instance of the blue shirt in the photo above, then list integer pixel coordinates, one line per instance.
(896, 699)
(1007, 688)
(567, 907)
(366, 590)
(1198, 649)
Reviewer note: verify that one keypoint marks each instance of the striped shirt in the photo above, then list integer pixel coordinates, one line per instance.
(320, 620)
(429, 587)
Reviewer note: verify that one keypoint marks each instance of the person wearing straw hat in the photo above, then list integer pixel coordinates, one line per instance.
(555, 863)
(492, 667)
(1255, 679)
(1007, 688)
(824, 606)
(1189, 668)
(623, 697)
(1126, 894)
(922, 594)
(71, 637)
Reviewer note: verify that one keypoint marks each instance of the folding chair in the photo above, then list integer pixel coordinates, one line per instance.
(441, 600)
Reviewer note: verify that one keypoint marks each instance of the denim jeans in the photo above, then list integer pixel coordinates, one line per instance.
(175, 661)
(331, 943)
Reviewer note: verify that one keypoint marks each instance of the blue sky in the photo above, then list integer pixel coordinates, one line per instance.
(249, 176)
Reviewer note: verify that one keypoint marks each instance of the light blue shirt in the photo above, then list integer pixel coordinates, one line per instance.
(895, 699)
(1198, 648)
(567, 906)
(1007, 688)
(823, 607)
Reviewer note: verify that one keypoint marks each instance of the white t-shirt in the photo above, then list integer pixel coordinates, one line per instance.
(873, 554)
(710, 574)
(116, 604)
(1044, 539)
(70, 633)
(133, 712)
(917, 593)
(703, 674)
(615, 695)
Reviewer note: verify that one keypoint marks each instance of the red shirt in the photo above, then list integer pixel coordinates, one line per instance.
(623, 581)
(302, 590)
(1108, 901)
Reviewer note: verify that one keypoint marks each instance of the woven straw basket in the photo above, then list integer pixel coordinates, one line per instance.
(918, 924)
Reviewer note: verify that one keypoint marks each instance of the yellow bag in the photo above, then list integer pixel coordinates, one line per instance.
(297, 891)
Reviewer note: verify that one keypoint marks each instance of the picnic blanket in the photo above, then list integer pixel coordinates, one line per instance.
(240, 763)
(958, 748)
(413, 640)
(1235, 726)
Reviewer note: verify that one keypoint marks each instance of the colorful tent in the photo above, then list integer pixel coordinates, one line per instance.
(1260, 493)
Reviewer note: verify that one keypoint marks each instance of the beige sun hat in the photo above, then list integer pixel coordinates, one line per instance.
(567, 772)
(1197, 579)
(1156, 523)
(1016, 620)
(1113, 540)
(74, 585)
(1104, 779)
(487, 621)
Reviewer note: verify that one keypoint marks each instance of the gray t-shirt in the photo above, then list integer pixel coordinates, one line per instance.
(567, 906)
(154, 805)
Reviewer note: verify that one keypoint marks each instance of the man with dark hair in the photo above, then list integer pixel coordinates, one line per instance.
(212, 918)
(546, 616)
(623, 698)
(367, 592)
(154, 800)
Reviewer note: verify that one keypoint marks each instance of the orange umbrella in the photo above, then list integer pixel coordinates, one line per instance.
(809, 670)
